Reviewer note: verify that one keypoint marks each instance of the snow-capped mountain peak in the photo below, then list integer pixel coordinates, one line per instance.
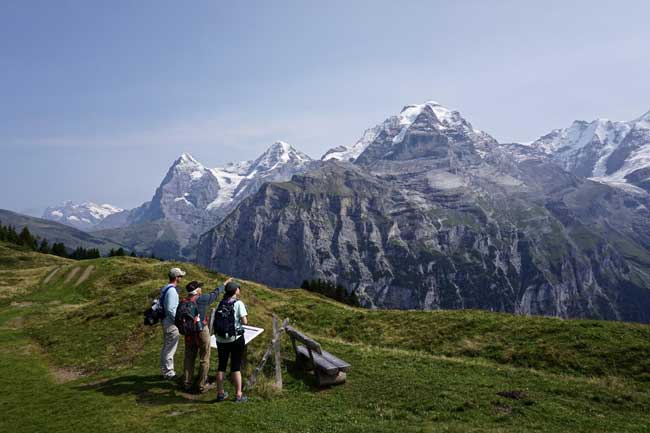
(609, 151)
(187, 165)
(644, 120)
(187, 160)
(446, 117)
(438, 117)
(193, 198)
(82, 216)
(277, 154)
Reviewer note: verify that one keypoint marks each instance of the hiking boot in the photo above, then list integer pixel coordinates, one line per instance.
(222, 397)
(172, 378)
(242, 399)
(207, 387)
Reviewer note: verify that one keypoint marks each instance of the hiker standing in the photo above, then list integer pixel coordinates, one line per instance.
(229, 321)
(169, 297)
(199, 342)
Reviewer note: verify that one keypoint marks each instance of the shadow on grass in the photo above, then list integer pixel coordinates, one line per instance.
(148, 390)
(299, 373)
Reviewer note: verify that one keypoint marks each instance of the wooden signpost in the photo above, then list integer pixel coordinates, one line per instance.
(273, 347)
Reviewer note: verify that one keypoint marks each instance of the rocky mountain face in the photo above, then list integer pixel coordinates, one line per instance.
(82, 216)
(193, 198)
(617, 153)
(427, 212)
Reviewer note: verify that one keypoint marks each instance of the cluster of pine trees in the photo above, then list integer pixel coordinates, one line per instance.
(121, 253)
(83, 253)
(26, 239)
(334, 291)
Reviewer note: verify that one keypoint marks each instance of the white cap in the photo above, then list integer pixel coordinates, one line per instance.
(176, 272)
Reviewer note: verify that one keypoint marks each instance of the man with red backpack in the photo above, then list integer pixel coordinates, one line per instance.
(192, 322)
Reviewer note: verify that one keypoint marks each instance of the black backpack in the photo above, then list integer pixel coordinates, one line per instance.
(156, 312)
(224, 319)
(188, 320)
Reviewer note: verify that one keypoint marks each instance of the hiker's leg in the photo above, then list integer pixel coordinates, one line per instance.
(162, 353)
(188, 364)
(204, 357)
(236, 381)
(235, 364)
(223, 353)
(170, 343)
(220, 375)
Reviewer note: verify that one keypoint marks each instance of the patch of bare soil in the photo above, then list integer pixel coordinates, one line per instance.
(502, 409)
(71, 275)
(85, 275)
(62, 375)
(15, 323)
(51, 275)
(66, 308)
(21, 304)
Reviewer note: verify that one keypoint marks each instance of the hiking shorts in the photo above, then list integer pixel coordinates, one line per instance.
(233, 350)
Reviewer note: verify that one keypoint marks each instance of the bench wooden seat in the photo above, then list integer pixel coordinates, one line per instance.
(325, 361)
(329, 369)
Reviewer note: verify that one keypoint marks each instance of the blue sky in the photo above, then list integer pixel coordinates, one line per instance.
(98, 98)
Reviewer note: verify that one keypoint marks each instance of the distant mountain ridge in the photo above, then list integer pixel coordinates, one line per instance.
(83, 216)
(427, 212)
(58, 232)
(193, 198)
(608, 151)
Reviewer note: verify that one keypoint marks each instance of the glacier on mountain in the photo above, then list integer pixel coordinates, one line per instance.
(614, 152)
(82, 216)
(398, 125)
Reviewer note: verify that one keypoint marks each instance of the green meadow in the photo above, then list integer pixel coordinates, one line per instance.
(75, 357)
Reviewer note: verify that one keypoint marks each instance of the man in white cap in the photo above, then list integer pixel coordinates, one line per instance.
(169, 300)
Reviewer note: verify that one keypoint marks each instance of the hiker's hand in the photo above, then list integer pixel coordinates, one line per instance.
(227, 281)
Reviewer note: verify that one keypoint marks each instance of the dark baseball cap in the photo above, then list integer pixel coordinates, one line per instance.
(231, 288)
(193, 285)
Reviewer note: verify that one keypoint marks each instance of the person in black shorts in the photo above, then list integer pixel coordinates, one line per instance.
(233, 346)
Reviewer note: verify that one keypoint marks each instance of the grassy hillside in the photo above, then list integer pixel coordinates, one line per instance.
(75, 357)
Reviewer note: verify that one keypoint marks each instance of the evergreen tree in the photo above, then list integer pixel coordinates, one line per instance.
(337, 292)
(58, 249)
(25, 238)
(78, 254)
(133, 253)
(12, 236)
(120, 252)
(353, 299)
(44, 247)
(340, 294)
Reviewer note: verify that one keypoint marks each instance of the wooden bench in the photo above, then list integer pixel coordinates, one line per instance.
(329, 369)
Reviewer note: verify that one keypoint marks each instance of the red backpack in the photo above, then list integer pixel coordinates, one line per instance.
(188, 320)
